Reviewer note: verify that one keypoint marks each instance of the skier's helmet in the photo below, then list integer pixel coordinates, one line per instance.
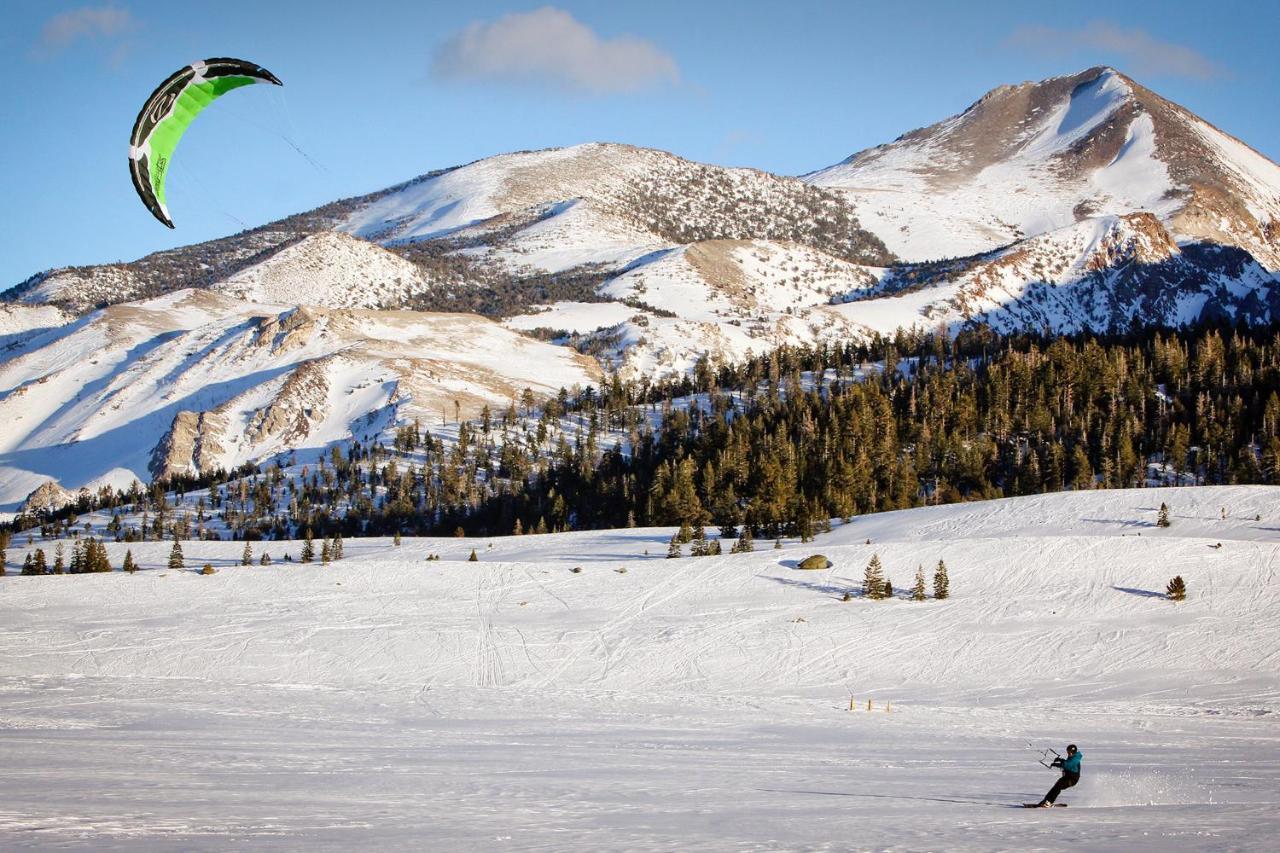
(1071, 748)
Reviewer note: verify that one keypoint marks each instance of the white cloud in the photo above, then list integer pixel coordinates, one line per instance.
(1137, 51)
(66, 28)
(549, 46)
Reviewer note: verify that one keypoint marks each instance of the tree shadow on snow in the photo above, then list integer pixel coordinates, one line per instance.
(834, 590)
(1145, 593)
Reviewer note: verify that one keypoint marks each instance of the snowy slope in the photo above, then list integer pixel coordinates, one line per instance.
(329, 269)
(697, 703)
(1035, 157)
(1102, 273)
(197, 381)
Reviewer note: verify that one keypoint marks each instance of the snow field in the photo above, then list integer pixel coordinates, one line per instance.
(699, 703)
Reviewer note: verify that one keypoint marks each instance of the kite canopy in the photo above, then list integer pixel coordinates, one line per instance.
(165, 116)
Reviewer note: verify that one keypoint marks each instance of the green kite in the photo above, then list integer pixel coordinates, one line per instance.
(168, 112)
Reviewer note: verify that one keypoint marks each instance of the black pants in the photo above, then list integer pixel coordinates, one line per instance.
(1068, 780)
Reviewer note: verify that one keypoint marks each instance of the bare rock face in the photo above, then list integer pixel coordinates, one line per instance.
(49, 497)
(191, 446)
(300, 404)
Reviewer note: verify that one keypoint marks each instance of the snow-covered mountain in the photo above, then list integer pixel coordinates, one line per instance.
(195, 381)
(1083, 202)
(1035, 157)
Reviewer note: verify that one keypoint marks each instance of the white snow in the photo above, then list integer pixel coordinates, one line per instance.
(694, 704)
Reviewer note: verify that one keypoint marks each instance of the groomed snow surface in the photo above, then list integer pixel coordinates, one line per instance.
(387, 702)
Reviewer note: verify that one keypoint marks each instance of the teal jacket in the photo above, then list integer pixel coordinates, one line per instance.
(1071, 764)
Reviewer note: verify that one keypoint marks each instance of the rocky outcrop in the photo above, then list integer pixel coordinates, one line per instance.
(49, 497)
(191, 446)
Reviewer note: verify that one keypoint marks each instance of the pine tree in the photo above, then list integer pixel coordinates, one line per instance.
(395, 540)
(873, 579)
(917, 591)
(1162, 520)
(888, 589)
(246, 558)
(473, 558)
(673, 548)
(28, 567)
(266, 559)
(207, 569)
(308, 547)
(685, 533)
(519, 529)
(1177, 589)
(129, 565)
(38, 563)
(746, 544)
(175, 556)
(337, 547)
(59, 561)
(325, 552)
(941, 585)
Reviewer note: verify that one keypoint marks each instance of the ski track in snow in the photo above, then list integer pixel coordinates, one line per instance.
(693, 704)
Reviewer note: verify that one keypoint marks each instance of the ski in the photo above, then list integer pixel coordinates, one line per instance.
(1038, 806)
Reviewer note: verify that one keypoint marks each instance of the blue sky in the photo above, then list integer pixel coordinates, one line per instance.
(378, 92)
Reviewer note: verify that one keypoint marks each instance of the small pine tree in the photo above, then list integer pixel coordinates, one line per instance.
(518, 530)
(325, 552)
(59, 560)
(473, 558)
(1162, 520)
(1177, 589)
(129, 565)
(175, 556)
(917, 591)
(337, 546)
(38, 562)
(873, 579)
(457, 531)
(266, 559)
(28, 567)
(395, 540)
(746, 544)
(308, 547)
(246, 558)
(207, 569)
(941, 585)
(685, 533)
(673, 548)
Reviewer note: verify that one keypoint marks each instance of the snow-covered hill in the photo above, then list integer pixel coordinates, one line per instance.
(195, 381)
(1036, 157)
(329, 269)
(645, 703)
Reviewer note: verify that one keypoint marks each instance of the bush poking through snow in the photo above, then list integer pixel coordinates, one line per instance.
(1177, 589)
(208, 570)
(1162, 520)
